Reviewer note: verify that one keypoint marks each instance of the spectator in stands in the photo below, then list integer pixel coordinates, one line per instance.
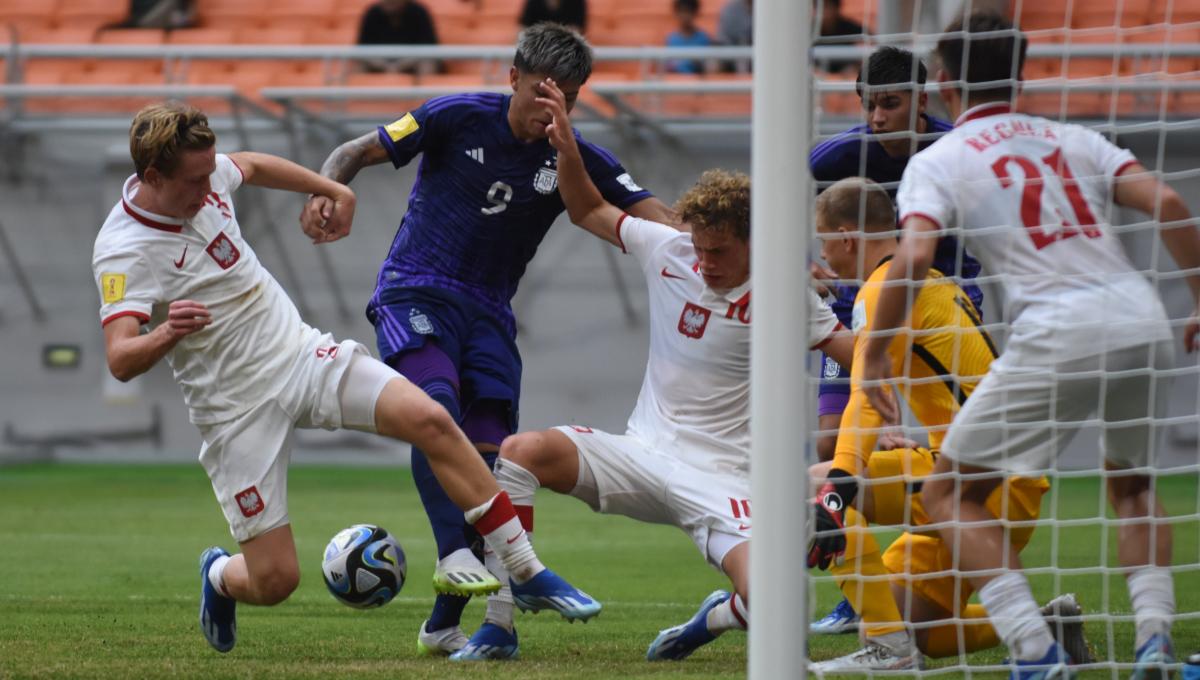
(398, 22)
(836, 30)
(687, 35)
(736, 24)
(166, 14)
(572, 13)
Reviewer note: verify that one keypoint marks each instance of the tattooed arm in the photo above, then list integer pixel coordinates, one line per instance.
(341, 166)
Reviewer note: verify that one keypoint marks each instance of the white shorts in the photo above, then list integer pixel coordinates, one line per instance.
(1019, 419)
(638, 482)
(331, 386)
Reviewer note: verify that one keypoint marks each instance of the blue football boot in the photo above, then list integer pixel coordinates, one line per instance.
(489, 643)
(548, 590)
(1154, 659)
(843, 619)
(217, 616)
(680, 641)
(1053, 666)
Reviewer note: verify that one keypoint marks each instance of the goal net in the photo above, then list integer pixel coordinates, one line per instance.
(1129, 69)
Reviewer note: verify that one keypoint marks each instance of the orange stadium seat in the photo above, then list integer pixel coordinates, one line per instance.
(234, 14)
(26, 14)
(201, 36)
(299, 14)
(93, 14)
(1181, 12)
(333, 34)
(60, 36)
(124, 71)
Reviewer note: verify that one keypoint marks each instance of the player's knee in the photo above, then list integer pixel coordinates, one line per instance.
(525, 449)
(430, 422)
(276, 584)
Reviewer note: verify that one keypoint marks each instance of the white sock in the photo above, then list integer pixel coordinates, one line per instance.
(517, 481)
(1152, 594)
(463, 557)
(496, 520)
(216, 575)
(731, 614)
(499, 605)
(1015, 614)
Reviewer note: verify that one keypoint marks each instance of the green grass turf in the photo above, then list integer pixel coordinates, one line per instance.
(98, 578)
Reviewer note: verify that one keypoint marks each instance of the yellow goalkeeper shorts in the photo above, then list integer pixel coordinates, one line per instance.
(895, 475)
(916, 558)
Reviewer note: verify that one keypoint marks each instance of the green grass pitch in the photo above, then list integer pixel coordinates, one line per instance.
(98, 578)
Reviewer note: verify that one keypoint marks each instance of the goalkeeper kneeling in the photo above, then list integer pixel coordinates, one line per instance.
(940, 359)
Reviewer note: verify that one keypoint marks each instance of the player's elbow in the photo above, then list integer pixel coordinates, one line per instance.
(120, 368)
(1171, 206)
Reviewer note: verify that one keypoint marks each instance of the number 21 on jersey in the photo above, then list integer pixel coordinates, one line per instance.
(1031, 198)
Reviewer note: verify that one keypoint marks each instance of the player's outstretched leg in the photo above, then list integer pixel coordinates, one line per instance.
(678, 642)
(549, 591)
(1154, 659)
(842, 619)
(218, 619)
(1063, 614)
(490, 643)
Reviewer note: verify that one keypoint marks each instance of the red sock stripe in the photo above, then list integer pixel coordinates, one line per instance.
(500, 512)
(525, 513)
(735, 604)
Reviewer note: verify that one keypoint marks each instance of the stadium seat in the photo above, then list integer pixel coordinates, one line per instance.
(201, 36)
(28, 14)
(1120, 13)
(299, 14)
(125, 71)
(90, 14)
(57, 36)
(332, 34)
(232, 14)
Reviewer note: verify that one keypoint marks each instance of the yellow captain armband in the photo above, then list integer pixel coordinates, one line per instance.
(402, 128)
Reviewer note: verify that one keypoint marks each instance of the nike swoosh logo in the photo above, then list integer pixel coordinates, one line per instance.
(179, 262)
(669, 275)
(514, 539)
(743, 527)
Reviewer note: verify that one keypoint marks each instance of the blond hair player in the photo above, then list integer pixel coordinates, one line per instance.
(171, 256)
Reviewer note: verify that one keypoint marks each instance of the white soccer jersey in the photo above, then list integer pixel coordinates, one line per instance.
(695, 398)
(1031, 199)
(142, 262)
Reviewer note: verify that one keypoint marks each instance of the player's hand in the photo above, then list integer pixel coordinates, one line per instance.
(559, 131)
(827, 545)
(313, 217)
(185, 317)
(820, 275)
(1191, 332)
(877, 368)
(338, 224)
(893, 439)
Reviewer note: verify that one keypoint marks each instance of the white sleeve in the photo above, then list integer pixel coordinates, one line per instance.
(923, 192)
(1108, 158)
(822, 323)
(228, 176)
(126, 284)
(641, 238)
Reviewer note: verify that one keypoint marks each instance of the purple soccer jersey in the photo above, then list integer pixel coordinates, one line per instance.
(482, 202)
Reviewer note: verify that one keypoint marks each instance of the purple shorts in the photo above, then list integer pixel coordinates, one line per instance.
(834, 391)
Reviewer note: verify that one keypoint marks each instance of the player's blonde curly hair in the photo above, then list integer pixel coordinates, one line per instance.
(161, 132)
(718, 201)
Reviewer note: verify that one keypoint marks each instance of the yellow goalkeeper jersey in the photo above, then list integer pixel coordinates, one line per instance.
(942, 354)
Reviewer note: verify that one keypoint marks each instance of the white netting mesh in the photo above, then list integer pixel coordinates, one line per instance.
(1129, 69)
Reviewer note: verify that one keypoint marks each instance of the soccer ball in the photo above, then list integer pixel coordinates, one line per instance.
(364, 567)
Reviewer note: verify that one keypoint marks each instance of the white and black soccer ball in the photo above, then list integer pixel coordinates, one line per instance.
(364, 566)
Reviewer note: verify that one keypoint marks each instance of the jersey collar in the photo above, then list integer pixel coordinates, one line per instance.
(736, 296)
(982, 111)
(155, 221)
